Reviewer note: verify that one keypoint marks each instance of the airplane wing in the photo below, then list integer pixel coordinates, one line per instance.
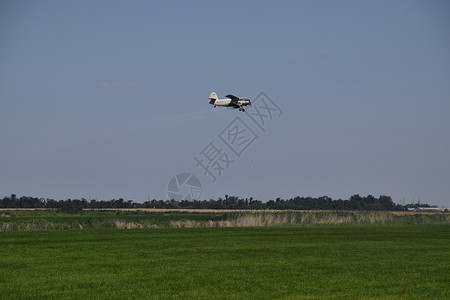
(233, 98)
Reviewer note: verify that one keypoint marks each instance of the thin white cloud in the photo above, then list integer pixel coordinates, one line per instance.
(119, 86)
(347, 81)
(321, 55)
(289, 60)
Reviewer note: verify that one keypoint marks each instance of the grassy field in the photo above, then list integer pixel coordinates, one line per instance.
(278, 262)
(36, 220)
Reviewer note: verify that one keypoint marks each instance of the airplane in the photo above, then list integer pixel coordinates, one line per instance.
(232, 101)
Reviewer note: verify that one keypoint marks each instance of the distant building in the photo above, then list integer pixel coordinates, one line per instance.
(430, 209)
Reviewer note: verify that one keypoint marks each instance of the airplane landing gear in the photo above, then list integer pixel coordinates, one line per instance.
(241, 109)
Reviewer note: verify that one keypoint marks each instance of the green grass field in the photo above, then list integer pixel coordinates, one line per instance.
(278, 262)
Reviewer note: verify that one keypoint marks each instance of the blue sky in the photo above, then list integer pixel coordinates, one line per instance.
(108, 99)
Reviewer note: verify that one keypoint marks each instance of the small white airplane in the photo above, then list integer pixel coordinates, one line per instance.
(231, 101)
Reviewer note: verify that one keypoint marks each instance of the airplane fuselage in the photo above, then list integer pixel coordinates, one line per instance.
(228, 102)
(231, 101)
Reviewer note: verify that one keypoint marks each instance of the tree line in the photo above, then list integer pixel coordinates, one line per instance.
(355, 202)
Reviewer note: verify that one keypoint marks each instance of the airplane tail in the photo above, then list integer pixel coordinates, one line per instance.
(212, 98)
